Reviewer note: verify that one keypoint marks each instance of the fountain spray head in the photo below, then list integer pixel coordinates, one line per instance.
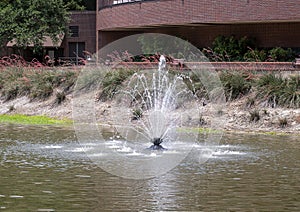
(157, 141)
(156, 144)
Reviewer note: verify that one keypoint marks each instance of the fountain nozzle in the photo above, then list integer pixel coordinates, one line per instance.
(157, 141)
(156, 144)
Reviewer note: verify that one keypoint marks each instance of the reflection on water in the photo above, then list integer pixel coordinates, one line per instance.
(45, 169)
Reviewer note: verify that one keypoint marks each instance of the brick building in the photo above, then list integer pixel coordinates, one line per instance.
(82, 39)
(77, 44)
(272, 23)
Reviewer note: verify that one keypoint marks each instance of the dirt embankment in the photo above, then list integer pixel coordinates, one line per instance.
(239, 116)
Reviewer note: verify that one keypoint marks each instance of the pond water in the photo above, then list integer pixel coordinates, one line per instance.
(44, 169)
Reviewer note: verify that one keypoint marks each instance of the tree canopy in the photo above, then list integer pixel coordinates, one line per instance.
(80, 4)
(29, 21)
(74, 4)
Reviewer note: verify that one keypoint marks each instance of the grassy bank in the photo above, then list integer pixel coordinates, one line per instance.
(36, 83)
(263, 99)
(40, 84)
(272, 89)
(32, 120)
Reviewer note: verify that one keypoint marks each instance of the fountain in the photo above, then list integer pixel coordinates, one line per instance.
(154, 109)
(164, 101)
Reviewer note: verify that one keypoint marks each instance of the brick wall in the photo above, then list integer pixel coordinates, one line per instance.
(86, 21)
(272, 23)
(266, 34)
(174, 12)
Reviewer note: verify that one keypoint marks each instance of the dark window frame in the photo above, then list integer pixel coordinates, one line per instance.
(74, 31)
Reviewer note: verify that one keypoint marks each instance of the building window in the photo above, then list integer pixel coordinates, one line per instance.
(74, 31)
(76, 51)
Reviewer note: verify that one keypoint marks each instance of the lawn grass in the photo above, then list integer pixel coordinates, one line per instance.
(32, 120)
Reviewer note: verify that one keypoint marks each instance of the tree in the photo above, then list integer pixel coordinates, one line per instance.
(74, 4)
(29, 21)
(80, 4)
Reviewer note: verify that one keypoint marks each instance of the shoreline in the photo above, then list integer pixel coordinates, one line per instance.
(29, 120)
(237, 115)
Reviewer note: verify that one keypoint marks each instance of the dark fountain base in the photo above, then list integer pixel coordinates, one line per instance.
(157, 147)
(156, 144)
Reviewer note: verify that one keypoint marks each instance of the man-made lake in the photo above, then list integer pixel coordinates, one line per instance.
(44, 169)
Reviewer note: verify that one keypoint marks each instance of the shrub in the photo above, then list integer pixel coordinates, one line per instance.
(269, 87)
(10, 91)
(195, 85)
(13, 88)
(290, 95)
(244, 49)
(255, 55)
(232, 49)
(235, 84)
(279, 91)
(91, 79)
(44, 82)
(60, 96)
(281, 55)
(211, 55)
(41, 90)
(35, 83)
(112, 81)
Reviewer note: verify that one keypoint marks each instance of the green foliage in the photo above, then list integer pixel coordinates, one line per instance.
(255, 55)
(29, 21)
(281, 55)
(13, 83)
(232, 49)
(80, 4)
(74, 4)
(244, 49)
(195, 85)
(43, 83)
(41, 90)
(7, 23)
(32, 120)
(36, 84)
(235, 84)
(137, 114)
(112, 81)
(279, 91)
(160, 44)
(60, 97)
